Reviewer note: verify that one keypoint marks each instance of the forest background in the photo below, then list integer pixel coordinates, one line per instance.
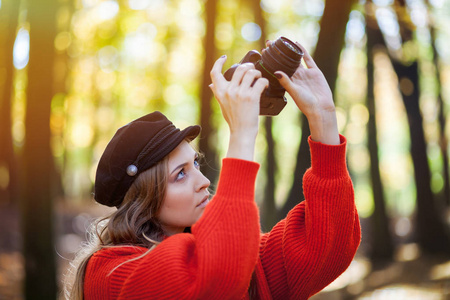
(73, 71)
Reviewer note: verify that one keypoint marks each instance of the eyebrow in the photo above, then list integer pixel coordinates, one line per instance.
(180, 166)
(183, 164)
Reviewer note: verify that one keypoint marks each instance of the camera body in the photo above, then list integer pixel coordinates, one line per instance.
(281, 55)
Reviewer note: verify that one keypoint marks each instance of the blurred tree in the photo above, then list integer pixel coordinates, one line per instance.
(432, 232)
(443, 141)
(326, 55)
(210, 168)
(269, 212)
(382, 248)
(9, 14)
(61, 71)
(37, 204)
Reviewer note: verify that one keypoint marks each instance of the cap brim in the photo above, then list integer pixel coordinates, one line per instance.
(191, 132)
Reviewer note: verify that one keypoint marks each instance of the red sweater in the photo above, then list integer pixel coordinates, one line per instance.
(301, 255)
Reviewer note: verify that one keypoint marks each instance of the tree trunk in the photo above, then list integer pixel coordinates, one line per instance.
(37, 213)
(443, 141)
(382, 248)
(432, 233)
(211, 169)
(269, 213)
(327, 54)
(8, 25)
(61, 62)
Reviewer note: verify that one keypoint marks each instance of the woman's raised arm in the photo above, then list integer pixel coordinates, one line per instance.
(310, 91)
(239, 102)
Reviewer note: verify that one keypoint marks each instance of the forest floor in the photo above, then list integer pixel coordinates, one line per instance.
(411, 276)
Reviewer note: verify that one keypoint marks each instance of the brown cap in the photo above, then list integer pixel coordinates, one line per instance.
(134, 148)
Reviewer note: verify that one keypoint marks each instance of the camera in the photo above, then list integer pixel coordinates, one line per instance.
(282, 55)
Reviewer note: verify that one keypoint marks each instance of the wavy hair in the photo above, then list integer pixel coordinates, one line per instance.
(134, 223)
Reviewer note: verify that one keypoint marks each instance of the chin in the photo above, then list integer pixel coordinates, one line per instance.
(198, 218)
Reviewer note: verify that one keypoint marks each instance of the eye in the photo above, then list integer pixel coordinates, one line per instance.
(180, 175)
(197, 163)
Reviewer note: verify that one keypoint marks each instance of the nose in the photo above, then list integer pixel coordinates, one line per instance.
(203, 182)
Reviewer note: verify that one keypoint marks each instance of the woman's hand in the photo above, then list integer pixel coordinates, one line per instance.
(311, 92)
(239, 102)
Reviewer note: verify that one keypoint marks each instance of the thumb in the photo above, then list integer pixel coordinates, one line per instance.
(284, 80)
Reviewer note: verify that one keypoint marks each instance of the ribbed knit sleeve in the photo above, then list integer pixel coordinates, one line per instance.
(215, 261)
(319, 237)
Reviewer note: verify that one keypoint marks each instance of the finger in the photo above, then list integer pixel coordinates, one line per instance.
(249, 78)
(260, 85)
(239, 73)
(284, 80)
(216, 73)
(309, 61)
(268, 43)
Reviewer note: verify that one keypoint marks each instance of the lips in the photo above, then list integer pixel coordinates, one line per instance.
(204, 201)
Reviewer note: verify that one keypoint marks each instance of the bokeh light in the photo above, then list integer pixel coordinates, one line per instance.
(105, 80)
(224, 35)
(21, 50)
(419, 14)
(139, 4)
(359, 161)
(251, 32)
(63, 41)
(271, 6)
(437, 3)
(355, 30)
(403, 226)
(383, 2)
(107, 10)
(140, 50)
(81, 134)
(89, 3)
(364, 200)
(387, 20)
(359, 114)
(311, 8)
(108, 59)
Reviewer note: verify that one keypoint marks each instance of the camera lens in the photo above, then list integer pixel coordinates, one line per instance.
(282, 55)
(293, 48)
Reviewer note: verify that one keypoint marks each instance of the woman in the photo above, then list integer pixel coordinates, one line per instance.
(167, 240)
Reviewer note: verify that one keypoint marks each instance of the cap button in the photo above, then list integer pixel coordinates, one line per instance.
(132, 170)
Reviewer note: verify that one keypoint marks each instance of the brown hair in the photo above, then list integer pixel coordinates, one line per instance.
(135, 223)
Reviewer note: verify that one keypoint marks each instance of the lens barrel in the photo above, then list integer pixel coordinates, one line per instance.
(282, 55)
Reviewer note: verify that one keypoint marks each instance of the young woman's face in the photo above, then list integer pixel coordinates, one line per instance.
(187, 191)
